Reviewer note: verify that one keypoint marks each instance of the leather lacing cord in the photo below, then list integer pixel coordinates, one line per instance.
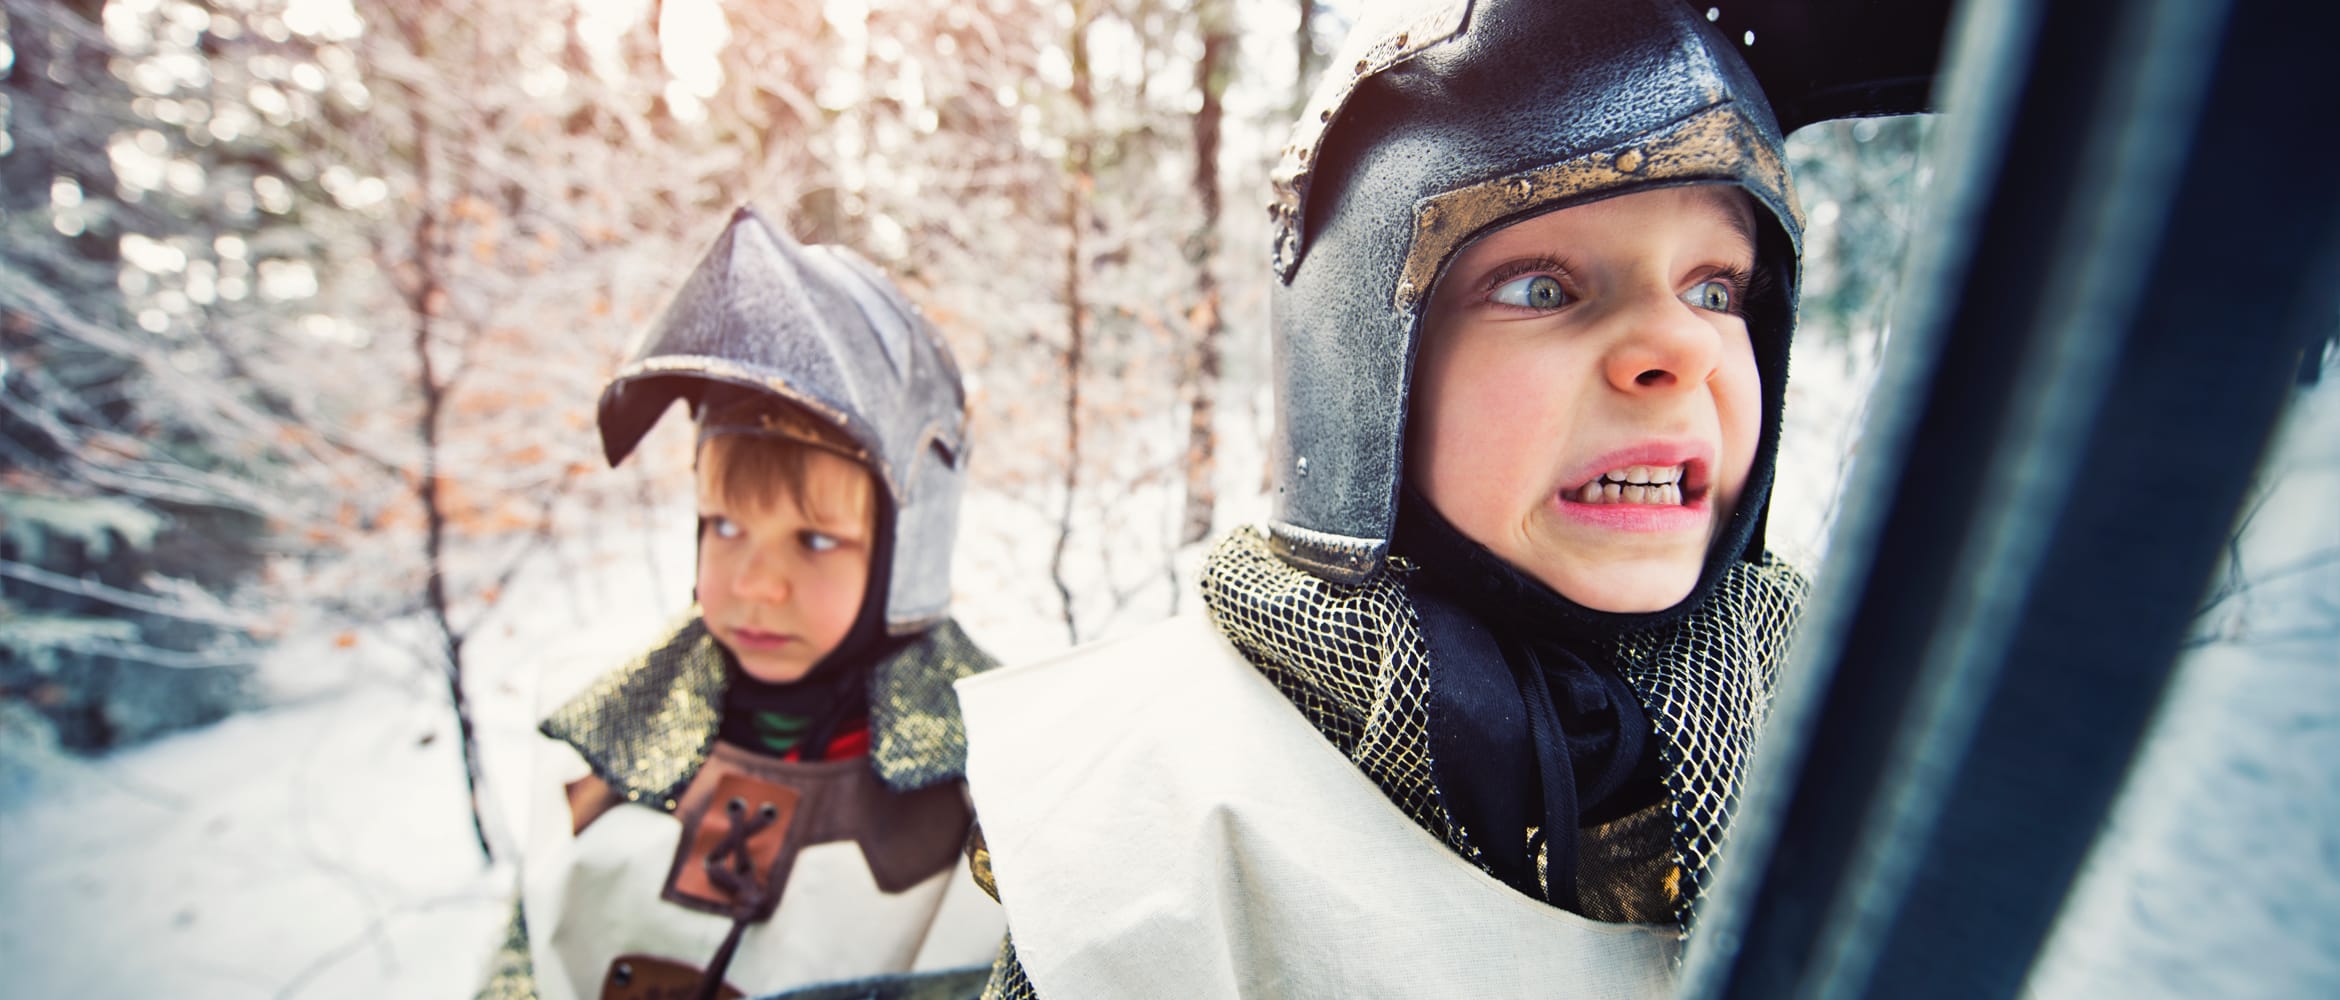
(737, 877)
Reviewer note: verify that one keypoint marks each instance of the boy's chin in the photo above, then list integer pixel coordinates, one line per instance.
(772, 671)
(1628, 588)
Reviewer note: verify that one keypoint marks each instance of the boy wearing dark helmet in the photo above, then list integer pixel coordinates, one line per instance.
(1536, 269)
(771, 796)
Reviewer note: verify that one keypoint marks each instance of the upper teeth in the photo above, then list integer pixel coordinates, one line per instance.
(1645, 474)
(1634, 484)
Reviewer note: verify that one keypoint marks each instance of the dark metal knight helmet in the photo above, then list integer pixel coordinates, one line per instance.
(1452, 123)
(820, 328)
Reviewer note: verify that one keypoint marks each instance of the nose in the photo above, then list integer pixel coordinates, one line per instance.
(762, 577)
(1663, 345)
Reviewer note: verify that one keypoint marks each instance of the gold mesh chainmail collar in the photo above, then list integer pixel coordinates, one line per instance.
(1707, 684)
(1354, 661)
(645, 727)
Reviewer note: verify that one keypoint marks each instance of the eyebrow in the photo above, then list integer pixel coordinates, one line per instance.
(1740, 222)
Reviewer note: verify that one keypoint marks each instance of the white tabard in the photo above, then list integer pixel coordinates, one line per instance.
(1162, 823)
(596, 896)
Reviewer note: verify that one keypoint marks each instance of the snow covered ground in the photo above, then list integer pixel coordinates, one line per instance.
(319, 847)
(312, 849)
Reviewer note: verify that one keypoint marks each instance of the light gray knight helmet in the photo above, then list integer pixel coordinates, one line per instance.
(820, 328)
(1444, 125)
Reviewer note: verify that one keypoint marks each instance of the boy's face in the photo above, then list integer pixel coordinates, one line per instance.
(780, 582)
(1587, 404)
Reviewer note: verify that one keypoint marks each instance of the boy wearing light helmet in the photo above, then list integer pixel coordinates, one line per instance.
(770, 797)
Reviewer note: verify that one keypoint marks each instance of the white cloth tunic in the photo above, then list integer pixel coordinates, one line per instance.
(1162, 823)
(594, 897)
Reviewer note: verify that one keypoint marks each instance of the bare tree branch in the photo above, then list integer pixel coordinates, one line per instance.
(139, 652)
(215, 613)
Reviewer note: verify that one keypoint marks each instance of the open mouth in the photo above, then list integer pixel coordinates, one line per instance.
(1655, 485)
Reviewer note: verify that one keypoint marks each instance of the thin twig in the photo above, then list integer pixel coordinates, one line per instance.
(367, 935)
(125, 598)
(537, 540)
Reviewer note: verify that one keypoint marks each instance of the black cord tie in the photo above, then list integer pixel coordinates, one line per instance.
(733, 870)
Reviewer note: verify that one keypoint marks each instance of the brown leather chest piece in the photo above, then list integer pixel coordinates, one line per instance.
(784, 807)
(729, 854)
(648, 977)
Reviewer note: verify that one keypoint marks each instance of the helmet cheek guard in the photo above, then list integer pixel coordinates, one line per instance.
(1448, 126)
(821, 329)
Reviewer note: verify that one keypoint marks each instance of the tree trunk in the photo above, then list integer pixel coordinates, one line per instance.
(424, 300)
(1308, 61)
(1211, 74)
(1077, 182)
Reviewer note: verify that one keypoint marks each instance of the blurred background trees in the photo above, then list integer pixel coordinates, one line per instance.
(305, 304)
(130, 498)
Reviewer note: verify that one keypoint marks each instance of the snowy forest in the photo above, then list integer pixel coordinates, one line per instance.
(305, 306)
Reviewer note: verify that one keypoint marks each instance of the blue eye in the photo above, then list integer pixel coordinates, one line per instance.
(1535, 291)
(1713, 294)
(723, 527)
(815, 541)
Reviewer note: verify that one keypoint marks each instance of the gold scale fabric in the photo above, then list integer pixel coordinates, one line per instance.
(511, 973)
(646, 727)
(1353, 660)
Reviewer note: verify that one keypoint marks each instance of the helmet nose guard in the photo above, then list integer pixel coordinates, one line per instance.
(822, 329)
(1440, 127)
